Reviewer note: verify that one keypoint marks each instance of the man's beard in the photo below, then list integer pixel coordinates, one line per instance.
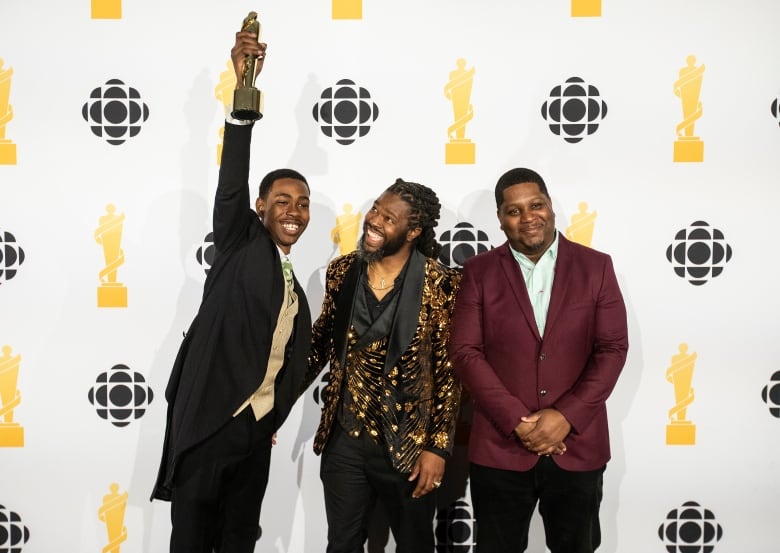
(391, 247)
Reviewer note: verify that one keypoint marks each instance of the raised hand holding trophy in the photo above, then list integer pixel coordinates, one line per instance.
(248, 100)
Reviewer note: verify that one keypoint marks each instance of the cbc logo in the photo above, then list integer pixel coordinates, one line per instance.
(574, 110)
(205, 253)
(13, 534)
(460, 243)
(698, 253)
(120, 396)
(771, 395)
(776, 110)
(345, 112)
(690, 529)
(115, 112)
(455, 529)
(11, 256)
(320, 389)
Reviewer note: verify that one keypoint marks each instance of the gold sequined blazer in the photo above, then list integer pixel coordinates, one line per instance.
(420, 394)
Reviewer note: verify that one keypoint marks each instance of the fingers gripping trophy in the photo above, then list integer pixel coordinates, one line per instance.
(248, 100)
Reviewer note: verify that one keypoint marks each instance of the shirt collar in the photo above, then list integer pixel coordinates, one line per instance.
(550, 254)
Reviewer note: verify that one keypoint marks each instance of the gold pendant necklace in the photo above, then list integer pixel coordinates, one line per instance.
(382, 285)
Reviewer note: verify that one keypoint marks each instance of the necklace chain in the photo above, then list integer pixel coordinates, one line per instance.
(382, 285)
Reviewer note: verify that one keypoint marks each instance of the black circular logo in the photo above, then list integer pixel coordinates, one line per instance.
(574, 110)
(11, 256)
(345, 112)
(698, 253)
(120, 396)
(690, 529)
(115, 112)
(460, 243)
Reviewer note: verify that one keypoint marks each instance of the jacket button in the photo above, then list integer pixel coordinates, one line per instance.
(541, 357)
(542, 392)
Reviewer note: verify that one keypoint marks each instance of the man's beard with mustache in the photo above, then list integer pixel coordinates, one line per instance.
(390, 247)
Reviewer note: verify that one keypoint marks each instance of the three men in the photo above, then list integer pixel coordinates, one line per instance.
(539, 338)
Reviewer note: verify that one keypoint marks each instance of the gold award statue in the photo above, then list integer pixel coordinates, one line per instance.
(681, 431)
(109, 234)
(586, 8)
(112, 512)
(458, 90)
(581, 228)
(248, 100)
(689, 147)
(106, 9)
(11, 433)
(346, 9)
(345, 233)
(7, 148)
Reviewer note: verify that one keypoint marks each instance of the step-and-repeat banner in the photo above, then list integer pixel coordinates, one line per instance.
(655, 124)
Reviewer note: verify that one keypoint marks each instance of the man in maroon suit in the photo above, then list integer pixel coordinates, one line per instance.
(539, 338)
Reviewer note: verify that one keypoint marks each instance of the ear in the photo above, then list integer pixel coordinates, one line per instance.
(260, 207)
(411, 234)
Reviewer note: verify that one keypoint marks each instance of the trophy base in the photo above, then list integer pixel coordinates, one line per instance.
(112, 295)
(691, 149)
(347, 9)
(586, 8)
(7, 153)
(247, 104)
(460, 152)
(11, 435)
(106, 9)
(681, 433)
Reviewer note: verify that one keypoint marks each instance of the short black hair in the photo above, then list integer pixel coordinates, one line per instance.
(424, 211)
(275, 175)
(517, 176)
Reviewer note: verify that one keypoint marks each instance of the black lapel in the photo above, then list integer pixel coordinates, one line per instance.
(407, 312)
(344, 303)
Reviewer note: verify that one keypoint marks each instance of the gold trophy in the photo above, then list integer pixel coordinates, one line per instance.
(460, 149)
(227, 82)
(346, 9)
(112, 512)
(11, 433)
(586, 8)
(109, 234)
(681, 431)
(689, 147)
(345, 233)
(106, 9)
(7, 147)
(581, 228)
(247, 100)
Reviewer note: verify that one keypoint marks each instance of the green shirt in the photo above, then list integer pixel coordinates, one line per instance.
(539, 280)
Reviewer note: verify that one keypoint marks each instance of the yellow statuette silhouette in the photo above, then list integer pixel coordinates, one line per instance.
(586, 8)
(112, 513)
(224, 93)
(458, 90)
(580, 229)
(106, 9)
(681, 431)
(345, 233)
(347, 9)
(689, 147)
(7, 147)
(11, 433)
(109, 234)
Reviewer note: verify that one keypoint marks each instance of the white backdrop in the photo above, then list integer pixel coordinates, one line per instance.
(67, 436)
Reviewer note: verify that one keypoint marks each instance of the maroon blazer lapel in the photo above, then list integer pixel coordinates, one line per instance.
(514, 276)
(563, 270)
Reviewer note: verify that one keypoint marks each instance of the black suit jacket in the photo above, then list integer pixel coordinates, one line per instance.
(224, 355)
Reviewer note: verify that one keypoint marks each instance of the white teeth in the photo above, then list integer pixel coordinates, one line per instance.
(290, 227)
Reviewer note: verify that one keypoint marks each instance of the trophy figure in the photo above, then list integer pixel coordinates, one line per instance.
(227, 83)
(345, 233)
(586, 8)
(689, 147)
(11, 433)
(347, 9)
(112, 512)
(106, 9)
(247, 100)
(581, 228)
(681, 431)
(109, 234)
(460, 149)
(7, 148)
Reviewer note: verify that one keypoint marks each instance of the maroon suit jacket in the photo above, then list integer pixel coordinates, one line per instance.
(510, 371)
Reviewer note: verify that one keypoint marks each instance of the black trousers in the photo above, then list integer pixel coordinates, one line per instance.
(355, 472)
(504, 502)
(219, 487)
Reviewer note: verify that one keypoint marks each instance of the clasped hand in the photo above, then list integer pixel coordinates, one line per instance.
(543, 432)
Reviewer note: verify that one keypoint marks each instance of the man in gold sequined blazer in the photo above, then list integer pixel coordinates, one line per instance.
(391, 402)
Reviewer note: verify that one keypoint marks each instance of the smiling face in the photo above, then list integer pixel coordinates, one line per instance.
(386, 229)
(285, 211)
(527, 219)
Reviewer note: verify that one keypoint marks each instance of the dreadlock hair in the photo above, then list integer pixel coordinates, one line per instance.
(424, 213)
